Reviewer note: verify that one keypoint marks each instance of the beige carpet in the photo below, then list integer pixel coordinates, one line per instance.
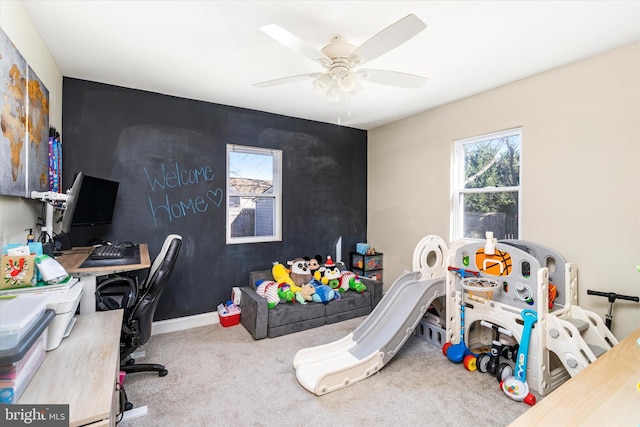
(222, 377)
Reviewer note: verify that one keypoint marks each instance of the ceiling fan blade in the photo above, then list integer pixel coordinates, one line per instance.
(387, 39)
(286, 80)
(295, 43)
(391, 78)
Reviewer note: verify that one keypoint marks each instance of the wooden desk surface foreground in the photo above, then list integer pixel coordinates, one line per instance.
(72, 259)
(82, 371)
(604, 394)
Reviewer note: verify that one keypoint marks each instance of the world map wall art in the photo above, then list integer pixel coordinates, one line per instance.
(24, 120)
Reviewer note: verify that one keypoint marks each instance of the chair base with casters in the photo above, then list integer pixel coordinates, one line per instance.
(129, 366)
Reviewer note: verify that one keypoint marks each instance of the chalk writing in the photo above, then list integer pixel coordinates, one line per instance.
(168, 206)
(179, 177)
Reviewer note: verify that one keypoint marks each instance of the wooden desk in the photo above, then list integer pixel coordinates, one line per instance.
(605, 393)
(82, 371)
(72, 260)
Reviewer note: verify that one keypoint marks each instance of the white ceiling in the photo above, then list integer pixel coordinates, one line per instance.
(214, 51)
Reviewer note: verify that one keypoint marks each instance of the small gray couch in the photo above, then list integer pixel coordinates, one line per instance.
(286, 318)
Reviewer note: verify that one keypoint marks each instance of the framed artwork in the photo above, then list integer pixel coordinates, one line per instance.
(24, 119)
(37, 134)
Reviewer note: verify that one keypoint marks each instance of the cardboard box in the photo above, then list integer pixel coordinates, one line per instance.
(18, 271)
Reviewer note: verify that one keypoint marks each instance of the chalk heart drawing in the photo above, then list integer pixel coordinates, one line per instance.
(215, 196)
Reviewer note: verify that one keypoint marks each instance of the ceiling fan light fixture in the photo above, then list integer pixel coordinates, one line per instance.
(348, 81)
(333, 94)
(340, 58)
(323, 84)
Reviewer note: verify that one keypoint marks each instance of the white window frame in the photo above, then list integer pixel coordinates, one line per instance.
(276, 194)
(457, 181)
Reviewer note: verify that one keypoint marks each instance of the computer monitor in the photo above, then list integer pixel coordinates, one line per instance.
(70, 204)
(95, 202)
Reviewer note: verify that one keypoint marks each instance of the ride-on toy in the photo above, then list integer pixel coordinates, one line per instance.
(490, 362)
(612, 297)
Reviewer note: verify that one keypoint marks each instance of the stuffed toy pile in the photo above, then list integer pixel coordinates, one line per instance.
(305, 280)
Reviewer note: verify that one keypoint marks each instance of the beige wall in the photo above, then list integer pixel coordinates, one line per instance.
(580, 173)
(17, 213)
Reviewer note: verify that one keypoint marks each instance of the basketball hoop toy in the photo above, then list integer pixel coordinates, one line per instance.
(479, 289)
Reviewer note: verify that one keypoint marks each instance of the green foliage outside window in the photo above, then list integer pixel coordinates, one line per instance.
(488, 185)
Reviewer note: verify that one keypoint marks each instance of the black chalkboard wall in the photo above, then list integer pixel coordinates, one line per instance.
(128, 135)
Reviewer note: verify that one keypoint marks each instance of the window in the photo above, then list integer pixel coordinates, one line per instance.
(486, 186)
(254, 199)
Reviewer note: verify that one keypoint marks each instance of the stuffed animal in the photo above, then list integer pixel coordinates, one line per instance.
(314, 263)
(355, 284)
(306, 293)
(345, 278)
(323, 293)
(285, 293)
(281, 275)
(300, 273)
(329, 274)
(268, 289)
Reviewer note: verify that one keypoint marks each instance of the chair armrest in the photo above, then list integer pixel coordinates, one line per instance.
(255, 313)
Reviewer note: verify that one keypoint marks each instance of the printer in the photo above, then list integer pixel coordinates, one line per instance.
(64, 301)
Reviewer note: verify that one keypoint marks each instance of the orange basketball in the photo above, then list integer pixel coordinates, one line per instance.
(494, 265)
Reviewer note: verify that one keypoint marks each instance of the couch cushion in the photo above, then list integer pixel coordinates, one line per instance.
(346, 315)
(349, 300)
(295, 327)
(288, 313)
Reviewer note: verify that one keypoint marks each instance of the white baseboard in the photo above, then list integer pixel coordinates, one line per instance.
(182, 323)
(135, 413)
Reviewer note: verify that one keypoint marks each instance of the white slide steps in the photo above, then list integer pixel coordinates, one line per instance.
(331, 366)
(578, 338)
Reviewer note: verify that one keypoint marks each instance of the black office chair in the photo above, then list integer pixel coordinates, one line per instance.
(139, 304)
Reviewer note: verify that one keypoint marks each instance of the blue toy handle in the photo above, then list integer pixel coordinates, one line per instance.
(530, 317)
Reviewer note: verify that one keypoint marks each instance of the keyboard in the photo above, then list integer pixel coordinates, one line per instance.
(107, 252)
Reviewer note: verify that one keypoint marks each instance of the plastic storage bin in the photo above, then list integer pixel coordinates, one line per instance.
(19, 314)
(366, 262)
(373, 275)
(19, 364)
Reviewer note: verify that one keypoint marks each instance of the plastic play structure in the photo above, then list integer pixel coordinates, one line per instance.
(565, 338)
(562, 341)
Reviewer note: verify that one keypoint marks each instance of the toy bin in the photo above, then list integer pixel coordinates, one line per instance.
(373, 275)
(19, 364)
(366, 262)
(229, 319)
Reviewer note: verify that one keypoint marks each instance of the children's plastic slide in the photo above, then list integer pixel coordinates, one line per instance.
(373, 344)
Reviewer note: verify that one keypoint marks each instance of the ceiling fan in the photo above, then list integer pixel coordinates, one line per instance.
(341, 60)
